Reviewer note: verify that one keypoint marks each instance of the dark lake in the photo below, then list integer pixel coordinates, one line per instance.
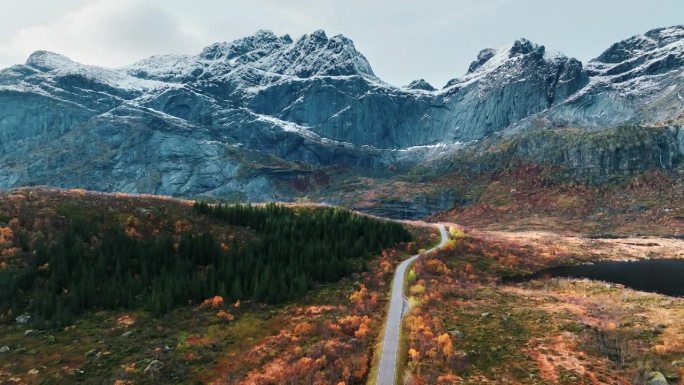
(664, 276)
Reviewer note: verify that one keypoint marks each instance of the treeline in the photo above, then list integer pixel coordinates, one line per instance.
(294, 248)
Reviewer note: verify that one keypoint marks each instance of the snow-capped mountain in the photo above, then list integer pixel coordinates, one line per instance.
(272, 57)
(637, 80)
(207, 123)
(506, 85)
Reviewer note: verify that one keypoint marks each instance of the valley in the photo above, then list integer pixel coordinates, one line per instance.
(270, 211)
(466, 324)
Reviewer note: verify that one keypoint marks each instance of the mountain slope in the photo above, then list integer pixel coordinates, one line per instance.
(127, 236)
(248, 119)
(637, 80)
(506, 85)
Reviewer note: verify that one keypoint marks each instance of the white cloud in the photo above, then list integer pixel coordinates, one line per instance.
(104, 32)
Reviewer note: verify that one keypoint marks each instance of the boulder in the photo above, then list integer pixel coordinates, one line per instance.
(656, 378)
(457, 334)
(127, 333)
(23, 319)
(153, 369)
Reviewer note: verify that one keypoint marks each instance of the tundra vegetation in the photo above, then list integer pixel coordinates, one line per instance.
(469, 326)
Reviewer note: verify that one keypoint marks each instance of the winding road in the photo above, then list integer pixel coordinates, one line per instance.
(398, 307)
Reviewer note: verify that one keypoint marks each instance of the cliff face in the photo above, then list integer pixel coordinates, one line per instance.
(638, 80)
(507, 85)
(578, 154)
(239, 118)
(611, 152)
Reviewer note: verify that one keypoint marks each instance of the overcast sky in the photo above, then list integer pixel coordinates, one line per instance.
(402, 39)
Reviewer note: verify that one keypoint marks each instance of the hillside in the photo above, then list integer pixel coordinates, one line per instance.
(107, 288)
(624, 180)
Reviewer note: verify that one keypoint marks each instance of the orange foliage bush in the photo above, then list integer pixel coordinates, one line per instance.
(131, 225)
(385, 266)
(10, 252)
(357, 298)
(132, 232)
(214, 302)
(224, 315)
(372, 301)
(128, 369)
(125, 321)
(510, 261)
(418, 288)
(435, 266)
(346, 373)
(330, 329)
(354, 325)
(444, 341)
(303, 328)
(182, 226)
(364, 302)
(414, 355)
(363, 331)
(421, 333)
(6, 236)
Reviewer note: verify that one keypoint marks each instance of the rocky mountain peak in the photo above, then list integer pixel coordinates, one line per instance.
(638, 63)
(523, 47)
(316, 54)
(259, 59)
(317, 35)
(312, 42)
(482, 58)
(639, 45)
(263, 42)
(420, 84)
(667, 35)
(48, 61)
(505, 63)
(519, 47)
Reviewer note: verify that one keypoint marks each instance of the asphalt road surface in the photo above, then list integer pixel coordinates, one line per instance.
(398, 306)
